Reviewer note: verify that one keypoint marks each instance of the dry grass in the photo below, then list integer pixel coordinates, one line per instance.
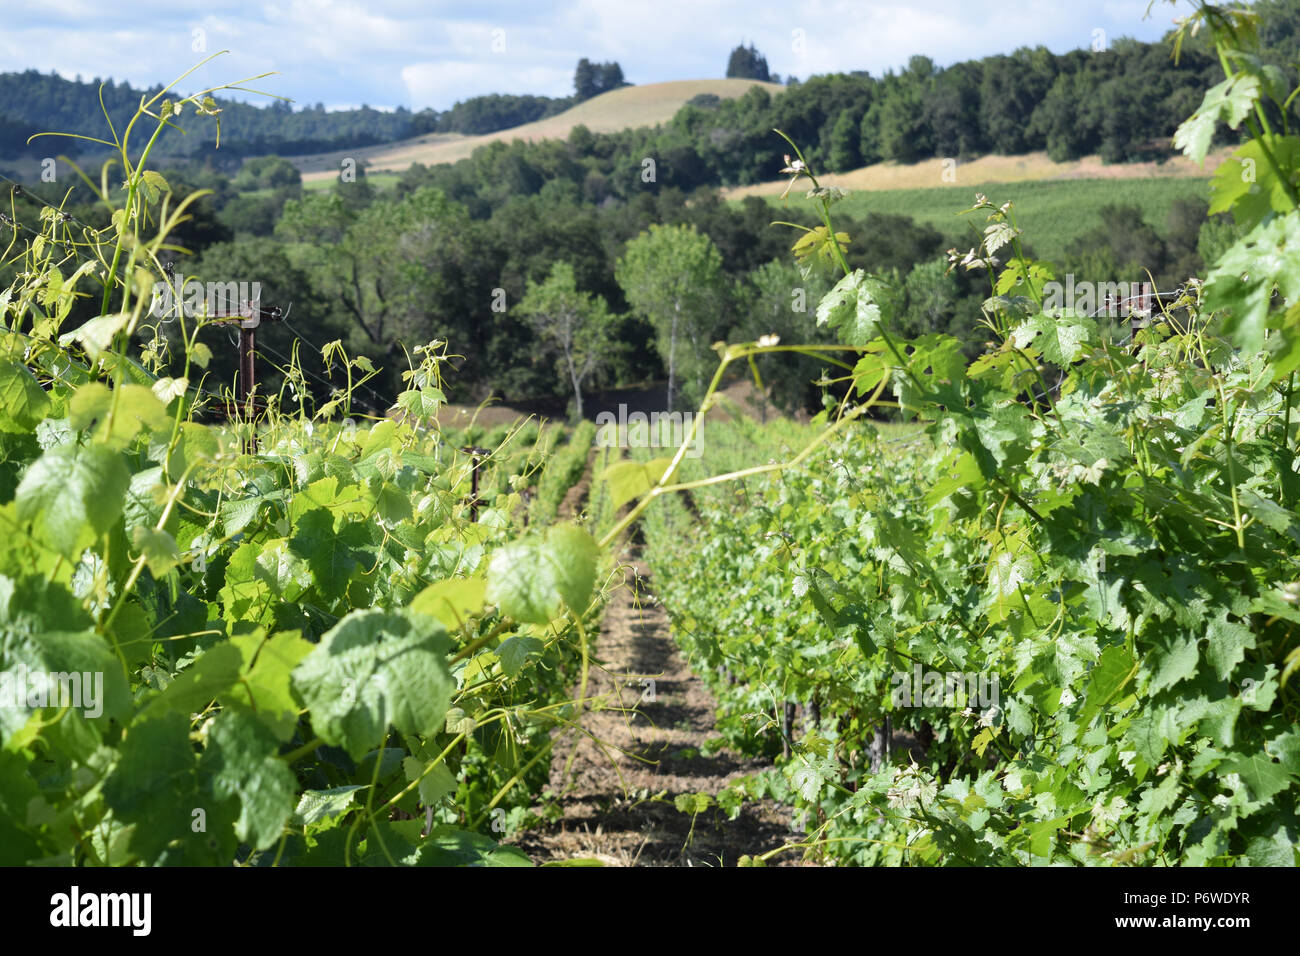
(990, 169)
(626, 108)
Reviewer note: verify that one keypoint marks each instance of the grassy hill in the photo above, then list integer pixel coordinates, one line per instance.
(626, 108)
(1052, 212)
(1055, 202)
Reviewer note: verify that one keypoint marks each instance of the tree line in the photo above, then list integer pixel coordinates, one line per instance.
(32, 102)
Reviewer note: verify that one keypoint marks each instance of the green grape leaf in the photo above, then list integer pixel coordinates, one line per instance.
(240, 760)
(573, 555)
(198, 444)
(814, 249)
(1242, 281)
(1262, 775)
(1172, 659)
(42, 667)
(452, 602)
(523, 584)
(323, 806)
(1245, 184)
(392, 503)
(1227, 644)
(631, 479)
(284, 572)
(857, 307)
(1230, 102)
(158, 548)
(450, 846)
(421, 402)
(23, 403)
(692, 803)
(1115, 668)
(138, 409)
(382, 437)
(372, 670)
(1060, 340)
(72, 495)
(434, 785)
(1146, 736)
(97, 335)
(199, 684)
(515, 651)
(333, 558)
(154, 185)
(1277, 848)
(264, 688)
(154, 784)
(870, 369)
(807, 782)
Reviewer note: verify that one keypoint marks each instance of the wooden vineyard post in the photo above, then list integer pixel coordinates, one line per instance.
(478, 455)
(249, 315)
(787, 728)
(248, 370)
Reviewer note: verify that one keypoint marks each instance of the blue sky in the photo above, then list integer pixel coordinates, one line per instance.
(419, 53)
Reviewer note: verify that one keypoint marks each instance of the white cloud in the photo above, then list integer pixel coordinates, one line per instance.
(420, 53)
(446, 81)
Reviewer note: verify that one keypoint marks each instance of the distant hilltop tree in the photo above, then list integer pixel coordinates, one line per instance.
(592, 79)
(748, 64)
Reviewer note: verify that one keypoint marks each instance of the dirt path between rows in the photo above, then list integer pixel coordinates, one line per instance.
(643, 749)
(618, 805)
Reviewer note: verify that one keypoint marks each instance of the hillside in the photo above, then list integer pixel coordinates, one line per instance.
(990, 169)
(1056, 203)
(626, 108)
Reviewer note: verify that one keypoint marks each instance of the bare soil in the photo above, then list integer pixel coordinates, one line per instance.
(934, 173)
(644, 744)
(640, 753)
(574, 499)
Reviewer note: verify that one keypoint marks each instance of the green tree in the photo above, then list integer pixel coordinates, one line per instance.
(673, 276)
(934, 301)
(781, 301)
(1122, 247)
(390, 267)
(1010, 89)
(584, 80)
(845, 138)
(747, 63)
(267, 172)
(1182, 235)
(1066, 131)
(1218, 234)
(894, 127)
(610, 76)
(576, 324)
(952, 111)
(592, 79)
